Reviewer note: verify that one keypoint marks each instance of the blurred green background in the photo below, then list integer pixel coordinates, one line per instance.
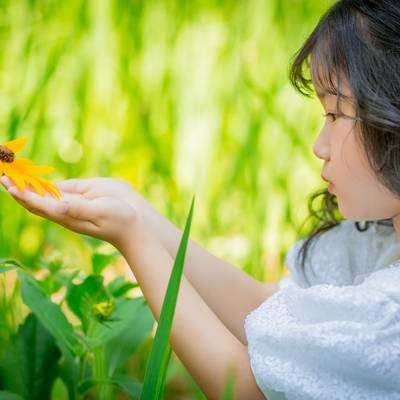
(177, 97)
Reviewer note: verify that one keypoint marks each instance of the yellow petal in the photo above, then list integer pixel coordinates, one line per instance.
(13, 174)
(24, 171)
(16, 145)
(29, 174)
(36, 185)
(25, 161)
(52, 189)
(32, 169)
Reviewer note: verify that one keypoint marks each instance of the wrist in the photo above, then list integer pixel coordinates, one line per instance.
(133, 236)
(140, 204)
(146, 212)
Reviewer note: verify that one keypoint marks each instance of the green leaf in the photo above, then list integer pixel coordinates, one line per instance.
(124, 316)
(129, 385)
(123, 382)
(157, 365)
(120, 348)
(4, 395)
(100, 261)
(49, 285)
(69, 374)
(87, 384)
(83, 297)
(119, 286)
(50, 315)
(29, 365)
(93, 242)
(7, 264)
(80, 298)
(6, 269)
(53, 263)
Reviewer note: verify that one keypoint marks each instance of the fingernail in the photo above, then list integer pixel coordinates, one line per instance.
(62, 207)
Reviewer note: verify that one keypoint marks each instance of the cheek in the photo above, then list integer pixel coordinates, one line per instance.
(360, 195)
(350, 158)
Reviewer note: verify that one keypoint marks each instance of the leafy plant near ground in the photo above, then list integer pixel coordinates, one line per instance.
(91, 354)
(87, 355)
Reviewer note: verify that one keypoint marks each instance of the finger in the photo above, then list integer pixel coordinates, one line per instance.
(6, 182)
(48, 207)
(33, 201)
(73, 185)
(77, 208)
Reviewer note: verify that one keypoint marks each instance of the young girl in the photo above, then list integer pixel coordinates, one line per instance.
(331, 328)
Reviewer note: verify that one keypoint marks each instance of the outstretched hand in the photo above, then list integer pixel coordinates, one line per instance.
(95, 213)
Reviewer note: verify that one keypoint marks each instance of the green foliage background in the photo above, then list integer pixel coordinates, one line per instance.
(177, 97)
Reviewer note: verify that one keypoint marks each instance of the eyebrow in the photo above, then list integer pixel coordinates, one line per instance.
(325, 93)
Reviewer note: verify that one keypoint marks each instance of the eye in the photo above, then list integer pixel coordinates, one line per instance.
(332, 115)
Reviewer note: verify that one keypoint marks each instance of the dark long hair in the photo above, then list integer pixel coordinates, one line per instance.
(358, 40)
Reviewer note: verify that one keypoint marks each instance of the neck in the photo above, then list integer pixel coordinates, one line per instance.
(396, 225)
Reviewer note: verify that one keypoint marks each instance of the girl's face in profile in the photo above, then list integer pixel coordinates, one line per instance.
(360, 196)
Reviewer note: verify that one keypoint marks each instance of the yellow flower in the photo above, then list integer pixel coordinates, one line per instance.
(24, 171)
(102, 311)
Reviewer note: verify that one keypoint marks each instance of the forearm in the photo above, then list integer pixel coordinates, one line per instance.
(228, 291)
(201, 341)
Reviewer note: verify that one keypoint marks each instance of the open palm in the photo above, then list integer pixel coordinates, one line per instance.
(91, 188)
(88, 210)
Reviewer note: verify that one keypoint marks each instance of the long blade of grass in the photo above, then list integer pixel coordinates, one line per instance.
(227, 393)
(157, 365)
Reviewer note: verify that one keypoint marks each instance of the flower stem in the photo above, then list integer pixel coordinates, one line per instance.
(104, 390)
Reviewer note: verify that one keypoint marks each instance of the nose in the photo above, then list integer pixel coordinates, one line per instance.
(321, 147)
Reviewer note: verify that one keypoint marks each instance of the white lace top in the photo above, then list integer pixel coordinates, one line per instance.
(332, 332)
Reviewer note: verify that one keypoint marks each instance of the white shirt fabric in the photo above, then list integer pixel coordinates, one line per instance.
(333, 330)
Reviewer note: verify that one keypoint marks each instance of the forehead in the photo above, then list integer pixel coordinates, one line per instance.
(326, 82)
(329, 95)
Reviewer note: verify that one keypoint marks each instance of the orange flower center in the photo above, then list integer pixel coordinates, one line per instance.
(6, 155)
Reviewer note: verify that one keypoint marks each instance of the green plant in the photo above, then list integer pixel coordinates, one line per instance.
(156, 371)
(89, 355)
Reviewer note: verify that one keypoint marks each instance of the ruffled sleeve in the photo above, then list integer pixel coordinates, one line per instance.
(328, 341)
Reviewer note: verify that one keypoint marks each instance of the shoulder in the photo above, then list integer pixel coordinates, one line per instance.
(342, 255)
